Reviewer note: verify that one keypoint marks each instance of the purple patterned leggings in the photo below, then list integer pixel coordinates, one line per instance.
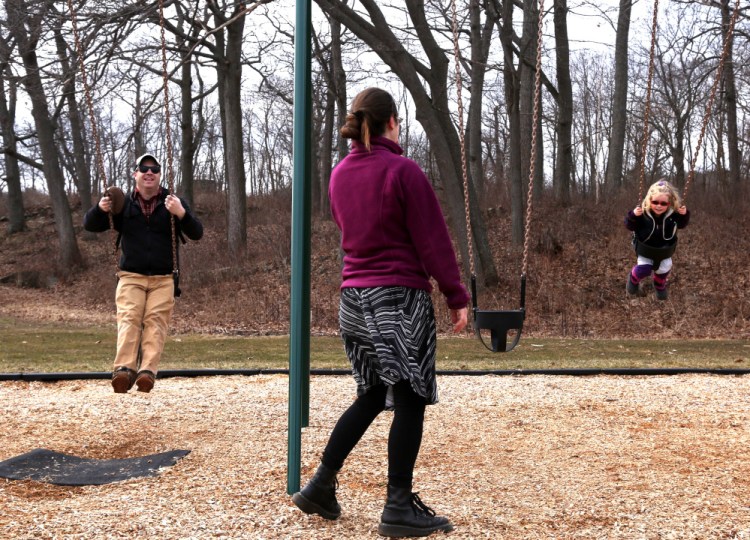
(641, 271)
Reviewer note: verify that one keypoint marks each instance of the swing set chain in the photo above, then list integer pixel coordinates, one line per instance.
(170, 170)
(535, 120)
(709, 105)
(537, 93)
(467, 211)
(92, 116)
(647, 112)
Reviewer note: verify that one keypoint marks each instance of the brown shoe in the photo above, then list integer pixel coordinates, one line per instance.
(145, 381)
(122, 380)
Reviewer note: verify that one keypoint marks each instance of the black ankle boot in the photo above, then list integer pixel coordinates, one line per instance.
(319, 495)
(406, 515)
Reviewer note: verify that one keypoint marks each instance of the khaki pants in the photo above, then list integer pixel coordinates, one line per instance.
(144, 307)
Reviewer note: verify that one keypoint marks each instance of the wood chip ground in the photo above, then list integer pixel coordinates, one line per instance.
(503, 457)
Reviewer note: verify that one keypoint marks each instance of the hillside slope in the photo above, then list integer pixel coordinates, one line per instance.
(579, 259)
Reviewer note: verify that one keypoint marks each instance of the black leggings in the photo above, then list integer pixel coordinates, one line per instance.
(404, 439)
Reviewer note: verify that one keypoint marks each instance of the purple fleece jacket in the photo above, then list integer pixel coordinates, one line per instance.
(392, 229)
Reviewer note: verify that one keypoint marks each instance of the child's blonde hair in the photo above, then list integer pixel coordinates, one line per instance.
(662, 187)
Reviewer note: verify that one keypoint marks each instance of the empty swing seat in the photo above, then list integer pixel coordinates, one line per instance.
(499, 323)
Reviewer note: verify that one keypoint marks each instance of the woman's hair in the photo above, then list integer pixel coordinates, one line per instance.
(662, 187)
(370, 112)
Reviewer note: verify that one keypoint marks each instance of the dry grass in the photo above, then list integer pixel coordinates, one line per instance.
(503, 457)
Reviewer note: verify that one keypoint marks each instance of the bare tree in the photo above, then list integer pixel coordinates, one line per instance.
(189, 134)
(564, 161)
(272, 140)
(329, 79)
(680, 81)
(8, 84)
(339, 85)
(730, 97)
(480, 39)
(591, 76)
(428, 87)
(619, 101)
(330, 58)
(496, 144)
(326, 58)
(527, 71)
(226, 54)
(82, 174)
(25, 20)
(512, 86)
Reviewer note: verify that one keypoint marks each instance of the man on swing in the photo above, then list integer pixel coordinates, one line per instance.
(146, 284)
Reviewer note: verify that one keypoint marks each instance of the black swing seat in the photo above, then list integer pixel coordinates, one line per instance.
(654, 253)
(499, 323)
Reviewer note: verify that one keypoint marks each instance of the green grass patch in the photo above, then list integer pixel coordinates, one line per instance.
(49, 347)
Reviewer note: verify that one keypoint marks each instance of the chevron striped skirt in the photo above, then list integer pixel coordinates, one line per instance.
(389, 335)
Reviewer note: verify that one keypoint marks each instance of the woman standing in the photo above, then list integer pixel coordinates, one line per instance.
(394, 239)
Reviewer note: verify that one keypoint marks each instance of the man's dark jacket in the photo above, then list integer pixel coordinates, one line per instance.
(146, 243)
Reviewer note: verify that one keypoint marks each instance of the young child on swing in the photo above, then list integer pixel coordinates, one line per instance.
(654, 223)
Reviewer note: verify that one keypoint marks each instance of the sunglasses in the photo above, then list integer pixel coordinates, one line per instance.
(153, 168)
(659, 203)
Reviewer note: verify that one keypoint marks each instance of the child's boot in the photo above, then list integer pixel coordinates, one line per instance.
(660, 284)
(631, 287)
(639, 272)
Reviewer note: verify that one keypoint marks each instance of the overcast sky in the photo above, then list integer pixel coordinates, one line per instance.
(593, 23)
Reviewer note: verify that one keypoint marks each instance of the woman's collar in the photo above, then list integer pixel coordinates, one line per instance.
(379, 141)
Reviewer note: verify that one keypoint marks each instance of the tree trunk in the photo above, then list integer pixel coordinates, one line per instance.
(317, 146)
(432, 108)
(339, 79)
(70, 256)
(82, 172)
(139, 147)
(16, 217)
(730, 101)
(564, 161)
(677, 151)
(539, 157)
(325, 102)
(229, 74)
(512, 101)
(620, 99)
(188, 145)
(327, 136)
(481, 37)
(526, 67)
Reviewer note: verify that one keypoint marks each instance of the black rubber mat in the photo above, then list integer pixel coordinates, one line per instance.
(52, 467)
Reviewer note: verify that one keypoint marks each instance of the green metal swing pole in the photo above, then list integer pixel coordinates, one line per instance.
(299, 340)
